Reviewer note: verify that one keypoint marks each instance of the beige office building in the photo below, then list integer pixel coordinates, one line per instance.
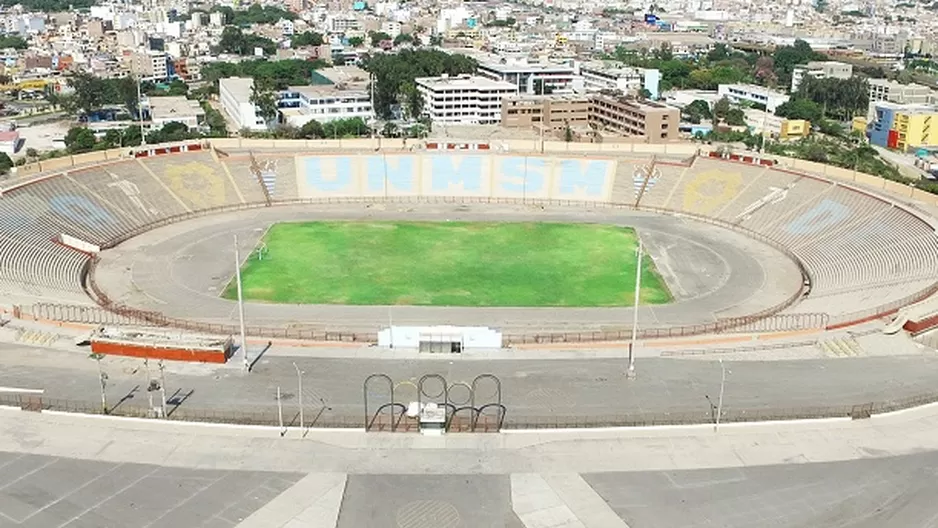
(655, 122)
(555, 113)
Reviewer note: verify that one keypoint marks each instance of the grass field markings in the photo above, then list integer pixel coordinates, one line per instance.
(455, 263)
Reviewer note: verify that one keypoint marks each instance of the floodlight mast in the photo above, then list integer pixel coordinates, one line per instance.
(244, 343)
(638, 287)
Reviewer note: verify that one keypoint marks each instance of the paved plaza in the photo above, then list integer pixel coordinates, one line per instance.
(859, 474)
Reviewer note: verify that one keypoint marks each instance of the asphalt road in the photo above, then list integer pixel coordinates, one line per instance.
(532, 390)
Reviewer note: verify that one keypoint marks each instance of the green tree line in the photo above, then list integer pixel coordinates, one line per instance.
(395, 73)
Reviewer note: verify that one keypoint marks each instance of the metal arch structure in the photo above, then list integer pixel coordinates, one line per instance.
(479, 407)
(392, 406)
(478, 401)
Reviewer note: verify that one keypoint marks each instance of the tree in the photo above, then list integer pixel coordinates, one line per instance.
(719, 52)
(393, 71)
(311, 130)
(12, 41)
(279, 74)
(377, 37)
(79, 139)
(800, 109)
(568, 134)
(403, 38)
(262, 97)
(436, 40)
(721, 108)
(764, 71)
(697, 111)
(307, 38)
(787, 57)
(32, 153)
(736, 117)
(5, 163)
(663, 52)
(355, 41)
(235, 41)
(390, 130)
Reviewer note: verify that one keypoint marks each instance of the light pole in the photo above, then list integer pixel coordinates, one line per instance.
(103, 377)
(299, 382)
(244, 343)
(716, 425)
(638, 288)
(146, 367)
(162, 390)
(280, 411)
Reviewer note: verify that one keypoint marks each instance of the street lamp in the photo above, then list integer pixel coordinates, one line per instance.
(716, 425)
(102, 376)
(638, 287)
(244, 342)
(299, 382)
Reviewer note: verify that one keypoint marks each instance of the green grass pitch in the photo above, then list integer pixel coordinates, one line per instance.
(449, 264)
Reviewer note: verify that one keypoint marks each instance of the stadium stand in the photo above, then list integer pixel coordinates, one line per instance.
(197, 179)
(860, 250)
(657, 192)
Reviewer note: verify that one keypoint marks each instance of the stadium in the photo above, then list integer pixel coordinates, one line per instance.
(742, 244)
(773, 290)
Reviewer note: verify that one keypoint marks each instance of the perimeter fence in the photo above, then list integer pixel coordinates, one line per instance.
(270, 417)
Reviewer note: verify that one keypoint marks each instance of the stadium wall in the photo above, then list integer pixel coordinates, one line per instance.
(469, 175)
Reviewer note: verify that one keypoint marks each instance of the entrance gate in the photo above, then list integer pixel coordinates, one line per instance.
(470, 407)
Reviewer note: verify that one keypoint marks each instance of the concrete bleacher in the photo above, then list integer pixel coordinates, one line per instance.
(242, 174)
(657, 194)
(760, 190)
(196, 179)
(157, 200)
(852, 243)
(798, 198)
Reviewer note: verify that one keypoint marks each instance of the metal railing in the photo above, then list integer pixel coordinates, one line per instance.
(270, 417)
(763, 317)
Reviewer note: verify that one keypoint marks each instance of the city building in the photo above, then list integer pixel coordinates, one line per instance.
(177, 109)
(150, 65)
(626, 80)
(753, 94)
(555, 78)
(896, 92)
(820, 70)
(235, 96)
(794, 129)
(884, 90)
(904, 127)
(301, 104)
(654, 122)
(545, 112)
(465, 99)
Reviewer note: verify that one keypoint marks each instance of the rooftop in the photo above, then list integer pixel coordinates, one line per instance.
(911, 109)
(465, 82)
(326, 91)
(345, 75)
(174, 106)
(240, 87)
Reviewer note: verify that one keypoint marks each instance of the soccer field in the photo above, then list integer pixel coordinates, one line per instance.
(449, 264)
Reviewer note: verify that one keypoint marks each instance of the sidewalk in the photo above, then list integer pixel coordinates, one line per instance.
(583, 451)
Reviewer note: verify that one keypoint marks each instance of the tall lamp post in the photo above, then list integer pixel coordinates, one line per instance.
(299, 390)
(244, 343)
(716, 425)
(638, 288)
